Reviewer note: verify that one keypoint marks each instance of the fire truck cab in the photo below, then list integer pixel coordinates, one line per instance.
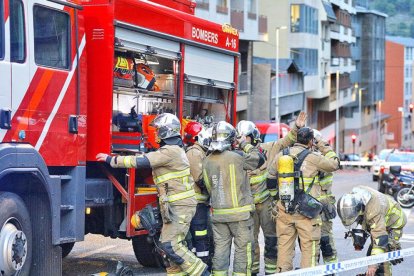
(88, 76)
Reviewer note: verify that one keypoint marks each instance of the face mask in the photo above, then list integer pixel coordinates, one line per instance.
(359, 238)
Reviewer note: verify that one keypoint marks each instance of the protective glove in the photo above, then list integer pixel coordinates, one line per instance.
(394, 247)
(301, 120)
(274, 212)
(329, 211)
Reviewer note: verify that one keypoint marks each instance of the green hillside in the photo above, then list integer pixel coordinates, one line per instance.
(401, 15)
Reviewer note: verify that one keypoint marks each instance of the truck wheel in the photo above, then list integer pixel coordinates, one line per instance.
(67, 248)
(145, 252)
(15, 236)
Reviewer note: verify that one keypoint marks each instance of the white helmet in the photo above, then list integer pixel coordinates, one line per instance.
(248, 128)
(222, 137)
(350, 206)
(167, 126)
(204, 137)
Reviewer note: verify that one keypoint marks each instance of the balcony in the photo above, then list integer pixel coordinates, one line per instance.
(222, 9)
(252, 15)
(237, 19)
(262, 24)
(203, 5)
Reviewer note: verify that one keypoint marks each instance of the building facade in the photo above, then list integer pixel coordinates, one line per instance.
(398, 91)
(368, 53)
(317, 36)
(244, 16)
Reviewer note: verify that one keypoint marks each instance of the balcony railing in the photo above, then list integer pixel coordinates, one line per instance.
(262, 24)
(222, 9)
(237, 19)
(203, 5)
(252, 15)
(335, 28)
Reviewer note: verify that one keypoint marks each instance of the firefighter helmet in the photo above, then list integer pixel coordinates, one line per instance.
(222, 137)
(204, 137)
(248, 128)
(350, 207)
(192, 129)
(167, 126)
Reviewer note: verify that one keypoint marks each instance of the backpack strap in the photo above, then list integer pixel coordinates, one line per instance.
(298, 163)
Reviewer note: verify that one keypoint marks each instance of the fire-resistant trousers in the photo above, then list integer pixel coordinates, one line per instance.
(288, 228)
(327, 243)
(262, 218)
(182, 260)
(384, 269)
(200, 232)
(241, 232)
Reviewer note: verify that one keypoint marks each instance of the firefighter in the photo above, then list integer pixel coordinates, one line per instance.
(197, 140)
(297, 210)
(261, 195)
(171, 173)
(380, 216)
(327, 198)
(226, 179)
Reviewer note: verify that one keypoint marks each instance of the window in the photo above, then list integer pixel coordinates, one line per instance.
(294, 18)
(1, 31)
(303, 19)
(17, 34)
(307, 59)
(221, 3)
(251, 6)
(51, 37)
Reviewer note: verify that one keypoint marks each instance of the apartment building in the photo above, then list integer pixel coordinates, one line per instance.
(398, 91)
(243, 15)
(316, 35)
(368, 53)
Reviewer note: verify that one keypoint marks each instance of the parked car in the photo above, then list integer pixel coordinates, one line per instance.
(386, 180)
(378, 160)
(352, 157)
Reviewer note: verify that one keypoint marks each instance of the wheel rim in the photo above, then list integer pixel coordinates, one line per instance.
(13, 247)
(403, 197)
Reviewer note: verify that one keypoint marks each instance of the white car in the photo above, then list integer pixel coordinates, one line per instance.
(378, 160)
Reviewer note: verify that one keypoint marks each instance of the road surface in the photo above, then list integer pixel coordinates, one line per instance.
(97, 254)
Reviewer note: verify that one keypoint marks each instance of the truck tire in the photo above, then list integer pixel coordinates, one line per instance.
(145, 252)
(15, 236)
(67, 248)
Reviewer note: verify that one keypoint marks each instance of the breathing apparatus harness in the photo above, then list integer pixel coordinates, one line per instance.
(292, 196)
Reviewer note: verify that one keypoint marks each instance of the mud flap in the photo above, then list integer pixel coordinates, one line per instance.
(47, 258)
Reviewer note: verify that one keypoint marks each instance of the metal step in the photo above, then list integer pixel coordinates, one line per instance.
(65, 178)
(65, 208)
(66, 240)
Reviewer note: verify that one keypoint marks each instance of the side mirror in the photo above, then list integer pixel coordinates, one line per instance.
(395, 170)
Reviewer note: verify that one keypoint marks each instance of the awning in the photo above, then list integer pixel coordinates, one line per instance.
(329, 11)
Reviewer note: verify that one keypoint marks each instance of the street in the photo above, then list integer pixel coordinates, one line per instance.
(97, 254)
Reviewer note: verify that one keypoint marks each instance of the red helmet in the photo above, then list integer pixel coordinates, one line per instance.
(192, 129)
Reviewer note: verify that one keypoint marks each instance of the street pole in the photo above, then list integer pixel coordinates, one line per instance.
(379, 144)
(277, 78)
(360, 121)
(277, 115)
(337, 114)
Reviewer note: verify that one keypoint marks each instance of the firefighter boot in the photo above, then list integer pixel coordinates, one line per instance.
(173, 242)
(327, 243)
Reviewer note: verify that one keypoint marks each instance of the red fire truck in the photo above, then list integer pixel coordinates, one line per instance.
(88, 76)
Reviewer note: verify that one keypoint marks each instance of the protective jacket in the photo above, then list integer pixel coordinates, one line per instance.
(325, 161)
(226, 179)
(196, 155)
(384, 219)
(170, 171)
(258, 177)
